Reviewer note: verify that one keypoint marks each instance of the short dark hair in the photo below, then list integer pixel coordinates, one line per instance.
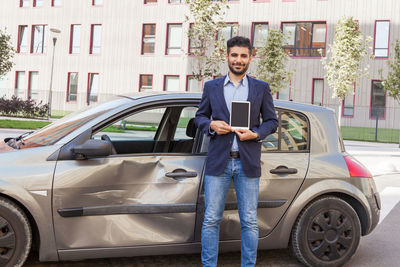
(239, 41)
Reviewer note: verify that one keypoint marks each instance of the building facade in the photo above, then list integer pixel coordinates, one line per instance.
(106, 47)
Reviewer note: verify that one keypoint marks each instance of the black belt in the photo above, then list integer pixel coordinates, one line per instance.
(234, 154)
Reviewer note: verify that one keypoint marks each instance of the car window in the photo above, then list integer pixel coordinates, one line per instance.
(157, 130)
(291, 135)
(139, 126)
(187, 114)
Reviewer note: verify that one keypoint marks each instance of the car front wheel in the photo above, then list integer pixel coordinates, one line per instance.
(15, 234)
(326, 233)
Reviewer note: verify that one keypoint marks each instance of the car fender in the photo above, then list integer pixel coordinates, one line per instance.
(310, 190)
(29, 201)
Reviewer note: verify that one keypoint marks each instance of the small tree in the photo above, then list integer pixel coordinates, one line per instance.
(206, 17)
(347, 52)
(6, 53)
(392, 82)
(272, 67)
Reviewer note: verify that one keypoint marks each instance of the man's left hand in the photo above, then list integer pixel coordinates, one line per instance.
(245, 134)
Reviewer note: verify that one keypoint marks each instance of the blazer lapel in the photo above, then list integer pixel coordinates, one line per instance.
(219, 89)
(252, 91)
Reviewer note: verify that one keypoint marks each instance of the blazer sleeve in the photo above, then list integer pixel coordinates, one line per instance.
(203, 114)
(269, 120)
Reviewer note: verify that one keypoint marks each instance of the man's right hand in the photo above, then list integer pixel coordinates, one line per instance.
(220, 127)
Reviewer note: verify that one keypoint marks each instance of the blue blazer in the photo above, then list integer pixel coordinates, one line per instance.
(213, 107)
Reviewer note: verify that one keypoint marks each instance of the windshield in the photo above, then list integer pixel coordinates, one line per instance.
(52, 133)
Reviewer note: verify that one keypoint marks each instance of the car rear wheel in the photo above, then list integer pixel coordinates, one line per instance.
(15, 234)
(326, 233)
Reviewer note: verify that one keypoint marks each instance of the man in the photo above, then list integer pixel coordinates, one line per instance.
(234, 154)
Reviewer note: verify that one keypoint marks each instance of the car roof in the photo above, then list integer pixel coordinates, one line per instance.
(170, 95)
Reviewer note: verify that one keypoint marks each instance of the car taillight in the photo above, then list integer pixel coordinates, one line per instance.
(356, 169)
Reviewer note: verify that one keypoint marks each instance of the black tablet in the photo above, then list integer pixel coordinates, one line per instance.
(240, 115)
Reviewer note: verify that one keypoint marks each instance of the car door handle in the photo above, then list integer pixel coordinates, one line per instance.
(181, 173)
(281, 169)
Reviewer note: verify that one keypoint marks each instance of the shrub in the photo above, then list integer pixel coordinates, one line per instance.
(23, 108)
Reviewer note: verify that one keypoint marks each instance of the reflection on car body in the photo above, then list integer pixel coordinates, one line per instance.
(125, 178)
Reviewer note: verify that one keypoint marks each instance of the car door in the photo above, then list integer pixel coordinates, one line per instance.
(145, 194)
(284, 165)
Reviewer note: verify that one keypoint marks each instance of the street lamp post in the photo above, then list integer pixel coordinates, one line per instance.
(54, 30)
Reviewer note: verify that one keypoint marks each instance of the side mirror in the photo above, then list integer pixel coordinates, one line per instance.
(92, 148)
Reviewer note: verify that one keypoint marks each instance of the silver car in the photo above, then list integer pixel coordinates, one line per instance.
(125, 178)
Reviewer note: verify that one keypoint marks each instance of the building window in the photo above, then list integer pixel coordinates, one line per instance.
(381, 43)
(192, 84)
(148, 38)
(75, 41)
(145, 82)
(231, 30)
(174, 39)
(97, 2)
(171, 83)
(33, 85)
(20, 84)
(259, 34)
(22, 39)
(150, 1)
(72, 89)
(194, 44)
(37, 3)
(317, 92)
(348, 104)
(56, 2)
(38, 37)
(305, 38)
(378, 100)
(93, 88)
(23, 3)
(95, 37)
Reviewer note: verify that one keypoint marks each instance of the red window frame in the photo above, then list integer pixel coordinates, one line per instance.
(165, 80)
(140, 81)
(68, 81)
(388, 48)
(87, 89)
(313, 22)
(29, 83)
(354, 101)
(33, 36)
(167, 36)
(370, 104)
(91, 39)
(155, 33)
(71, 38)
(52, 3)
(312, 92)
(19, 39)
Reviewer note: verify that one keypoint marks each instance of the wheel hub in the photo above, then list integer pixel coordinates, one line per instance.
(330, 235)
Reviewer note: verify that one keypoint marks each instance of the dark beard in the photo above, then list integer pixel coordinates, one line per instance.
(238, 72)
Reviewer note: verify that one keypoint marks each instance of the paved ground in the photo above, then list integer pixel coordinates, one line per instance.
(377, 249)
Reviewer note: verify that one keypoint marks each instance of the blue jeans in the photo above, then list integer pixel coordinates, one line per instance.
(216, 189)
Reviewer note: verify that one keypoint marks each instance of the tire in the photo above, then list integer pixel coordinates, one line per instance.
(15, 234)
(326, 233)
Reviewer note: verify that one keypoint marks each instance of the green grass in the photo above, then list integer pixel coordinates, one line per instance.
(58, 114)
(368, 134)
(17, 124)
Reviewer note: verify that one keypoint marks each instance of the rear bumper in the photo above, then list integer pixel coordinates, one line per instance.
(375, 206)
